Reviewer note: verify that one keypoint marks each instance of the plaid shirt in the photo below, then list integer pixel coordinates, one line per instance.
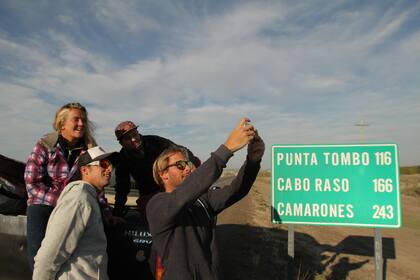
(46, 174)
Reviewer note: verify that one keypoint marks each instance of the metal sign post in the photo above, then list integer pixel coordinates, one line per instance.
(378, 255)
(291, 241)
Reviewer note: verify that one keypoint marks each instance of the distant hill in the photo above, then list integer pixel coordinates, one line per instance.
(404, 170)
(408, 170)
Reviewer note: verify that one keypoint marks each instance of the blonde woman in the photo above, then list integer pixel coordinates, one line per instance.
(51, 164)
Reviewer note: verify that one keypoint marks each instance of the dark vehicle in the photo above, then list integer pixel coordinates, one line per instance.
(12, 187)
(13, 262)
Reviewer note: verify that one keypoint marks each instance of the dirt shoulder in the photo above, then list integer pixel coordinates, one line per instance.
(254, 248)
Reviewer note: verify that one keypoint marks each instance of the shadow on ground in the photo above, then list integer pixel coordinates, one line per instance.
(248, 252)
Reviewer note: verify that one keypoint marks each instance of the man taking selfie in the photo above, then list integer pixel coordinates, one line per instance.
(182, 219)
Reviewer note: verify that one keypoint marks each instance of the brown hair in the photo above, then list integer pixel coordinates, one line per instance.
(61, 115)
(162, 161)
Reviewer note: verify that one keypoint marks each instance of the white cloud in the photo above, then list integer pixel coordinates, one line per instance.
(127, 15)
(66, 20)
(299, 77)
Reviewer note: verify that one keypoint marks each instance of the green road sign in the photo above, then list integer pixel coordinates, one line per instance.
(343, 185)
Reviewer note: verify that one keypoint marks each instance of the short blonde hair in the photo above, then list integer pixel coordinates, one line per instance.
(61, 116)
(162, 161)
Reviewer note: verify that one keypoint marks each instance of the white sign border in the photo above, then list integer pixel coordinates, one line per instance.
(395, 146)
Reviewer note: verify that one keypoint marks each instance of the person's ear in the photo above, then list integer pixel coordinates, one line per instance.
(84, 170)
(164, 176)
(61, 124)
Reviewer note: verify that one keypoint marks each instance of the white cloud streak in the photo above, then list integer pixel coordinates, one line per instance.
(300, 82)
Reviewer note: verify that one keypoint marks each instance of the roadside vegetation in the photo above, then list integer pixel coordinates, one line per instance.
(410, 170)
(264, 173)
(410, 184)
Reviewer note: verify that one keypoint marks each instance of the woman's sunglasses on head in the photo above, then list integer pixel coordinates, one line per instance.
(74, 105)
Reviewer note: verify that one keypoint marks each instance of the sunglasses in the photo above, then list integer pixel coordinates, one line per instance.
(130, 135)
(103, 163)
(181, 164)
(74, 105)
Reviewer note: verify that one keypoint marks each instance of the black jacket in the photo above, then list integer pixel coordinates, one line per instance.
(140, 166)
(182, 222)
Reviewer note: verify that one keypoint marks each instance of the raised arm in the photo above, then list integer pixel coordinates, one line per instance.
(122, 188)
(163, 209)
(220, 199)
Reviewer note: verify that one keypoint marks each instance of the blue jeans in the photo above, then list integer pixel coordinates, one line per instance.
(36, 224)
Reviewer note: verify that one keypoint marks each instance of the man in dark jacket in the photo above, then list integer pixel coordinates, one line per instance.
(137, 155)
(182, 219)
(136, 160)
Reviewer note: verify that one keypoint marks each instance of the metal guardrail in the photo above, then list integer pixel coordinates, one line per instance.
(13, 225)
(16, 225)
(133, 190)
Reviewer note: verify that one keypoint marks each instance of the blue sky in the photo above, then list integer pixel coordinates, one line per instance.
(303, 71)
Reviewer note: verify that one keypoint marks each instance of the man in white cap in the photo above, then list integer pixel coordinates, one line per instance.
(74, 246)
